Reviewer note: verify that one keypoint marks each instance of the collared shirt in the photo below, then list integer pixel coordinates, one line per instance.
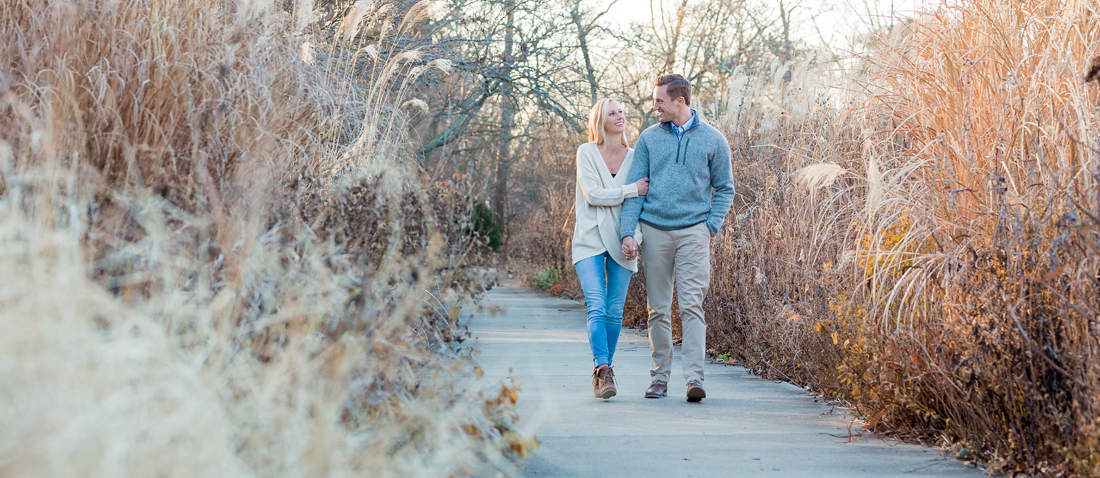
(679, 130)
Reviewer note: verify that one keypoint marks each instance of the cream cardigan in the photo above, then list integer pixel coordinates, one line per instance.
(599, 206)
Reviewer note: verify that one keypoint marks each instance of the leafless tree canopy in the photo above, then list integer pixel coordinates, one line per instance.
(523, 74)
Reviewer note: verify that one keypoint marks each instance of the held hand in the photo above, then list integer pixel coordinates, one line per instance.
(630, 248)
(643, 186)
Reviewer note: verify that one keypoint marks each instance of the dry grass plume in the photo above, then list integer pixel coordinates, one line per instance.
(217, 258)
(947, 283)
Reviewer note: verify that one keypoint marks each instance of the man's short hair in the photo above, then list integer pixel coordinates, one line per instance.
(677, 86)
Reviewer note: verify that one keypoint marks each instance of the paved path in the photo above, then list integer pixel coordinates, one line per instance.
(745, 426)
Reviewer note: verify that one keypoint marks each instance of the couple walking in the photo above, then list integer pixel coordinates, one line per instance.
(665, 200)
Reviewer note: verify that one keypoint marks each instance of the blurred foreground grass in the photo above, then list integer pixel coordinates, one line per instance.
(215, 259)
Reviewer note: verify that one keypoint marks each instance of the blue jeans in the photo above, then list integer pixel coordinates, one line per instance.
(604, 283)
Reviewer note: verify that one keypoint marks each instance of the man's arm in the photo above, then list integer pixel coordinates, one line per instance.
(632, 207)
(721, 179)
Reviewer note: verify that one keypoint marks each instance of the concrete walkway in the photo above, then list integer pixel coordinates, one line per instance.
(745, 426)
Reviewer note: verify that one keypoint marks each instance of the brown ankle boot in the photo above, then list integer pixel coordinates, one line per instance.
(603, 382)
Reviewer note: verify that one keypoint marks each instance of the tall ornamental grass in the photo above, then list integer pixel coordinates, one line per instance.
(924, 236)
(215, 257)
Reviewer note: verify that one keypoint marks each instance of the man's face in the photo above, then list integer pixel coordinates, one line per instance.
(666, 108)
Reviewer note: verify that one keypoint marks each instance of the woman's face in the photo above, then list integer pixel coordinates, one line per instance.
(615, 123)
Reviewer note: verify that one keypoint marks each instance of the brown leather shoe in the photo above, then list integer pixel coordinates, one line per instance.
(657, 389)
(603, 382)
(695, 391)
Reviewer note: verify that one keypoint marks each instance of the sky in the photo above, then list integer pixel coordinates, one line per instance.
(836, 20)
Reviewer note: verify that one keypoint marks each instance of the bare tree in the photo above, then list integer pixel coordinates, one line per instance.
(513, 62)
(668, 34)
(525, 72)
(585, 27)
(703, 40)
(507, 102)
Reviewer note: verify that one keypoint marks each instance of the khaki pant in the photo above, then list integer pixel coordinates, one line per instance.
(685, 256)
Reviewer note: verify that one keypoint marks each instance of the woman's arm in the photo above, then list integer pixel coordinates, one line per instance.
(588, 180)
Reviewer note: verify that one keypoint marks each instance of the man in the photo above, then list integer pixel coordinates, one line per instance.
(687, 161)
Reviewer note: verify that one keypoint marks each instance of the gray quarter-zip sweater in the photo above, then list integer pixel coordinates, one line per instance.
(691, 179)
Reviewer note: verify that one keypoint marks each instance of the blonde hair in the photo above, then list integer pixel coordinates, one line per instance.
(597, 118)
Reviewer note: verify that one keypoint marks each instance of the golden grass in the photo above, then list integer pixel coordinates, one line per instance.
(946, 282)
(217, 261)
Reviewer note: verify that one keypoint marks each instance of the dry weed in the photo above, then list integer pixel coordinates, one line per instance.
(218, 260)
(945, 282)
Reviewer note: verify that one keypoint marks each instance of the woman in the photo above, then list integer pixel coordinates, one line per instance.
(602, 167)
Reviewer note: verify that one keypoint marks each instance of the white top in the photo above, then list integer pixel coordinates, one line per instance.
(600, 205)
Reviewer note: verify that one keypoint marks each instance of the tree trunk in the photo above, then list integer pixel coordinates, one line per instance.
(503, 159)
(582, 36)
(674, 38)
(785, 19)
